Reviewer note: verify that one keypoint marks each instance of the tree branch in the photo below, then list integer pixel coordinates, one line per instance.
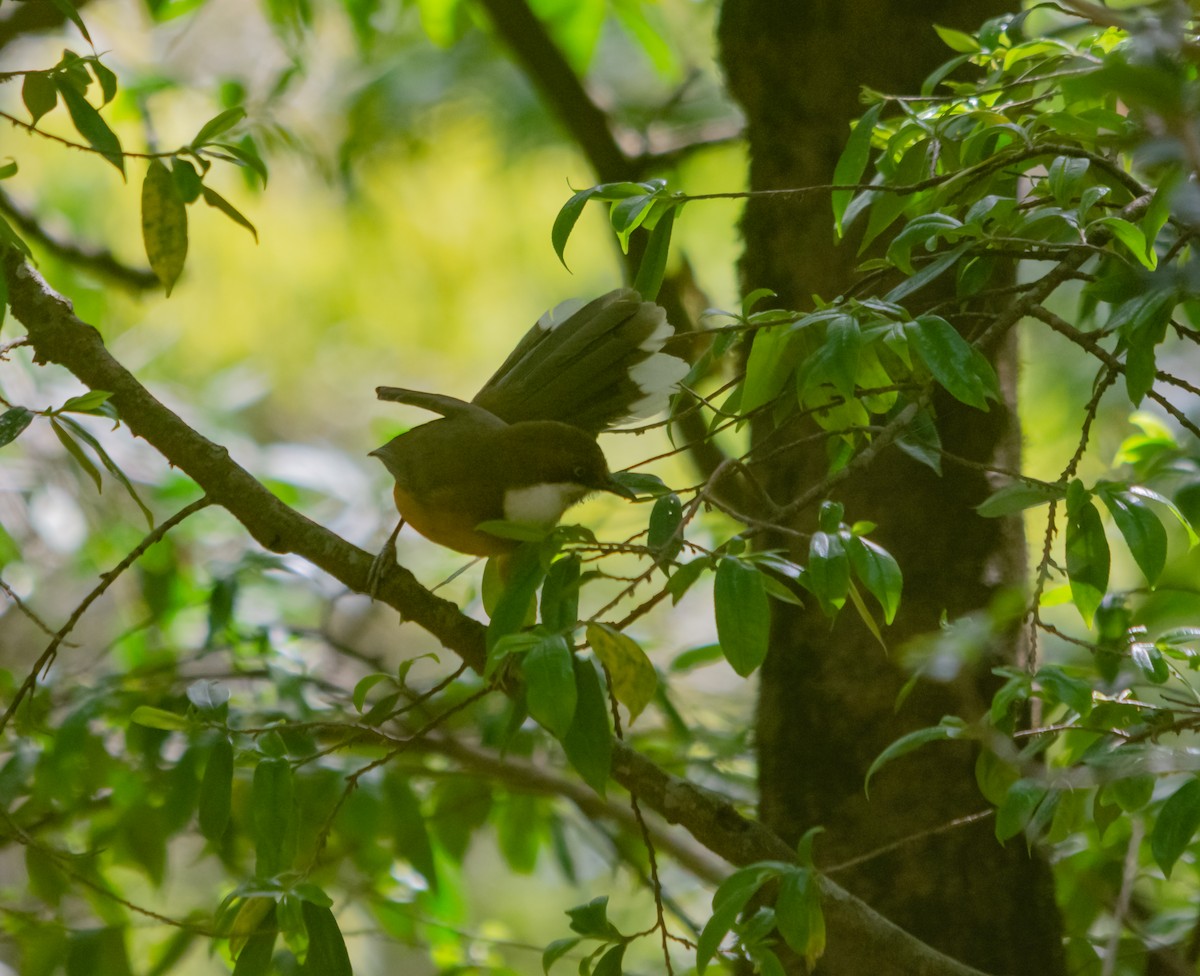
(99, 261)
(57, 336)
(542, 61)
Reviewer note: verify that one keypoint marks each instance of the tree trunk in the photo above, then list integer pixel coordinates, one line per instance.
(828, 693)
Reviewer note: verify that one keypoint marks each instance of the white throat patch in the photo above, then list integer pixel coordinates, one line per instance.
(541, 504)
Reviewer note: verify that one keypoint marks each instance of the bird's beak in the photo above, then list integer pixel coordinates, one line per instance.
(614, 486)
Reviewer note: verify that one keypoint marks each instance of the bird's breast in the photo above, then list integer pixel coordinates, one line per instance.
(541, 504)
(450, 526)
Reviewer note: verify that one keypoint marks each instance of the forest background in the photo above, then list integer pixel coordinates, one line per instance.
(178, 784)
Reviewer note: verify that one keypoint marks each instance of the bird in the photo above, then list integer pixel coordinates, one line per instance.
(524, 449)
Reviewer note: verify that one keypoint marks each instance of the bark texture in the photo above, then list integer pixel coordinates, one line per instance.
(828, 694)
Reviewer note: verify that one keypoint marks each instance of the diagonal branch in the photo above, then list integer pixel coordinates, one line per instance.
(542, 61)
(99, 261)
(57, 336)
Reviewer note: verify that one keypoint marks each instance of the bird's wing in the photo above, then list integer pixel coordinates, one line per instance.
(592, 369)
(447, 406)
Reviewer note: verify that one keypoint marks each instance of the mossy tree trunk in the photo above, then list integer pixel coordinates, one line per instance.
(828, 693)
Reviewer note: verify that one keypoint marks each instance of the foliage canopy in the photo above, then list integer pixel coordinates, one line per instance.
(216, 729)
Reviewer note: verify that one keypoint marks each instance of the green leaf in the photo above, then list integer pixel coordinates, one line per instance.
(550, 684)
(878, 572)
(1141, 529)
(90, 125)
(556, 950)
(10, 238)
(743, 615)
(843, 345)
(272, 803)
(525, 575)
(12, 422)
(1130, 793)
(1176, 825)
(682, 579)
(934, 269)
(828, 574)
(663, 537)
(407, 827)
(951, 727)
(46, 881)
(591, 920)
(76, 451)
(327, 954)
(164, 224)
(864, 614)
(1017, 497)
(1064, 177)
(1058, 686)
(255, 908)
(853, 162)
(634, 680)
(215, 200)
(108, 80)
(756, 296)
(86, 402)
(773, 356)
(1017, 812)
(697, 657)
(518, 838)
(78, 430)
(67, 9)
(92, 952)
(642, 483)
(728, 901)
(994, 776)
(798, 914)
(951, 360)
(1149, 658)
(920, 441)
(610, 962)
(1145, 327)
(560, 595)
(255, 956)
(363, 688)
(216, 791)
(956, 40)
(187, 180)
(628, 214)
(218, 125)
(1087, 554)
(588, 742)
(564, 223)
(157, 718)
(39, 94)
(1132, 237)
(654, 258)
(923, 230)
(244, 154)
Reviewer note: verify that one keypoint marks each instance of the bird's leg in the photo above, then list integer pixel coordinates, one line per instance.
(383, 562)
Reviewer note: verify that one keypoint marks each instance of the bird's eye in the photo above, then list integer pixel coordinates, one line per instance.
(579, 473)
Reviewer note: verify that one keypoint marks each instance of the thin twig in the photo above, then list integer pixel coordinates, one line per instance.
(909, 839)
(1128, 876)
(106, 580)
(24, 608)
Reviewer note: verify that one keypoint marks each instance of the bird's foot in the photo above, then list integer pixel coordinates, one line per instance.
(382, 563)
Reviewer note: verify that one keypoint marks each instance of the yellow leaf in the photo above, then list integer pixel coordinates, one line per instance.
(634, 680)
